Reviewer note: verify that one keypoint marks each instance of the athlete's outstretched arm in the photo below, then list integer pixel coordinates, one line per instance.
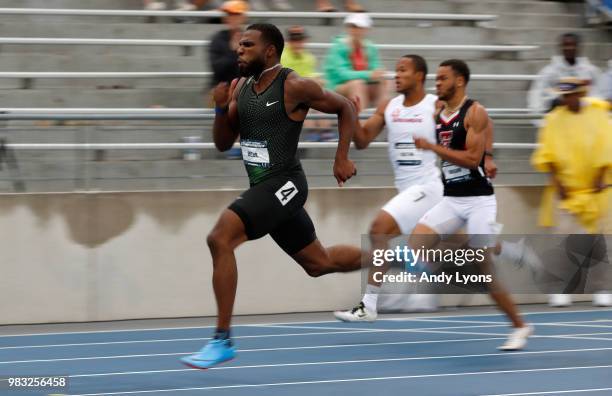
(225, 130)
(475, 123)
(372, 127)
(312, 95)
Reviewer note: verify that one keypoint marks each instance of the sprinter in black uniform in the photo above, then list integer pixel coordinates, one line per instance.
(267, 108)
(469, 200)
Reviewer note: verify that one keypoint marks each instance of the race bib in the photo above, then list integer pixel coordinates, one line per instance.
(407, 154)
(286, 192)
(454, 173)
(255, 153)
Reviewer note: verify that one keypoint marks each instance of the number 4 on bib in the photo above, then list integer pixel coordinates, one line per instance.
(286, 193)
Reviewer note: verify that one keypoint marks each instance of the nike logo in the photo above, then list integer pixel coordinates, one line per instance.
(270, 104)
(420, 197)
(361, 315)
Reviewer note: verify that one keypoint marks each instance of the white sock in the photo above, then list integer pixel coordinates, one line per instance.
(370, 298)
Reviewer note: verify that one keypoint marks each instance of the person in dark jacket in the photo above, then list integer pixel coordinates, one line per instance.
(222, 50)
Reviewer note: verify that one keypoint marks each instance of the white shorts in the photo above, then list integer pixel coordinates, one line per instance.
(410, 205)
(478, 215)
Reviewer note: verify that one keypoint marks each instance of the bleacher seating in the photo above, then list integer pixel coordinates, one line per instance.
(531, 26)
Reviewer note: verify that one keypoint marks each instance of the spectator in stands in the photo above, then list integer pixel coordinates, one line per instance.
(296, 57)
(352, 66)
(575, 147)
(541, 97)
(222, 51)
(349, 5)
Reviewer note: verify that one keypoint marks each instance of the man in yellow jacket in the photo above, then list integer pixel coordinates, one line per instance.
(575, 147)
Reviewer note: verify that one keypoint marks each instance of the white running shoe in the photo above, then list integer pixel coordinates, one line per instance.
(602, 299)
(357, 314)
(559, 300)
(517, 339)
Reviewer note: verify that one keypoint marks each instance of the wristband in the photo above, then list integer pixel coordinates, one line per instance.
(221, 110)
(488, 153)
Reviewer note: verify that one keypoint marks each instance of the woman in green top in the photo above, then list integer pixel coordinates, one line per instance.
(352, 67)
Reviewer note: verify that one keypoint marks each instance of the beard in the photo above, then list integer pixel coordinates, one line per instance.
(252, 69)
(445, 96)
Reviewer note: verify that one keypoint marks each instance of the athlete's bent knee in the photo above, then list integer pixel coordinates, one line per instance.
(378, 227)
(314, 270)
(384, 224)
(217, 242)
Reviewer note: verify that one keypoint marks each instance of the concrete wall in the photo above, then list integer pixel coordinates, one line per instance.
(93, 256)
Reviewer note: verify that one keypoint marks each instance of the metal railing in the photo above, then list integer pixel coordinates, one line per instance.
(254, 14)
(97, 114)
(83, 75)
(156, 114)
(201, 146)
(83, 177)
(203, 43)
(27, 79)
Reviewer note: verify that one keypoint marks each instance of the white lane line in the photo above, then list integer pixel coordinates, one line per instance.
(444, 330)
(553, 392)
(601, 310)
(502, 320)
(586, 338)
(348, 380)
(582, 334)
(260, 350)
(502, 314)
(343, 330)
(569, 324)
(457, 321)
(587, 321)
(105, 331)
(570, 336)
(563, 336)
(593, 323)
(418, 330)
(352, 331)
(340, 362)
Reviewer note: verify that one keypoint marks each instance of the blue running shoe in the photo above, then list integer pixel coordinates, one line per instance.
(214, 353)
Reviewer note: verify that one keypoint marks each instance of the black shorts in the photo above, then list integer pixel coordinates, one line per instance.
(276, 207)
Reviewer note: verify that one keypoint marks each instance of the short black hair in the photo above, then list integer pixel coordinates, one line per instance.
(270, 34)
(570, 35)
(459, 67)
(420, 65)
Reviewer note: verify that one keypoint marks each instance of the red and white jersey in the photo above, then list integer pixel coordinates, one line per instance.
(411, 165)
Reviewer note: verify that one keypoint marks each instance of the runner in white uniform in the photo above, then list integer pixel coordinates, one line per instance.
(417, 176)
